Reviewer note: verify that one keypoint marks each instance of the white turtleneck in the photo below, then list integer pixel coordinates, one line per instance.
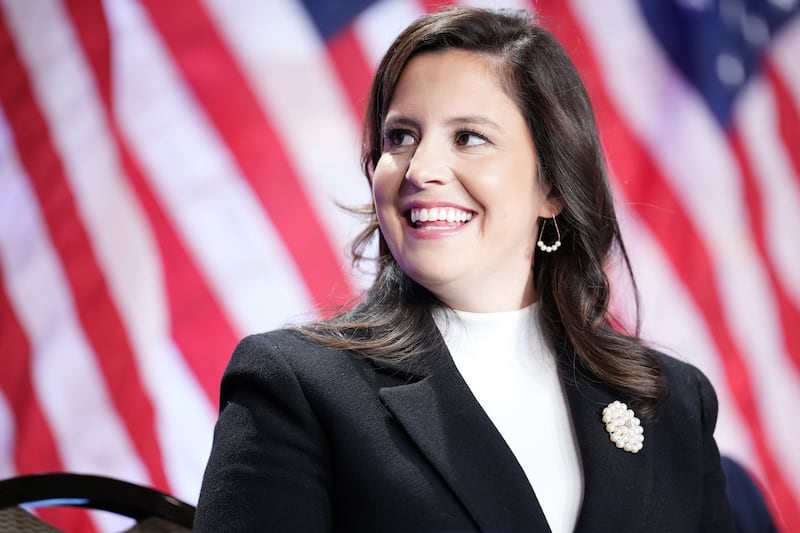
(504, 360)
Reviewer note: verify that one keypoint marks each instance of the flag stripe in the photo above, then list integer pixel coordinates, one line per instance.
(788, 313)
(353, 69)
(7, 438)
(96, 310)
(781, 69)
(381, 23)
(42, 454)
(775, 179)
(435, 5)
(253, 143)
(760, 97)
(191, 305)
(788, 117)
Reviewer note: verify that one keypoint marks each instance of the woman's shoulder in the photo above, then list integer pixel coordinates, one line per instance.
(289, 356)
(286, 367)
(277, 340)
(678, 369)
(286, 346)
(679, 372)
(689, 387)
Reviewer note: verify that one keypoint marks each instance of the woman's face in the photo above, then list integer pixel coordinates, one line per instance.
(455, 188)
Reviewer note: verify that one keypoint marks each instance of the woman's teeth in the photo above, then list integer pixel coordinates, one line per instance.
(434, 214)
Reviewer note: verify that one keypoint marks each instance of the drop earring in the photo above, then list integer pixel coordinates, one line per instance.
(553, 247)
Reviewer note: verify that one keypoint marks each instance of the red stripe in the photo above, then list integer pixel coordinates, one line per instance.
(221, 88)
(787, 114)
(788, 312)
(94, 305)
(36, 450)
(436, 5)
(200, 329)
(355, 72)
(40, 453)
(198, 325)
(641, 180)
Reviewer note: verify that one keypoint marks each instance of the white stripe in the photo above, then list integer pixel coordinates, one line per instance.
(287, 66)
(381, 23)
(192, 173)
(693, 155)
(117, 228)
(783, 53)
(65, 375)
(757, 124)
(8, 437)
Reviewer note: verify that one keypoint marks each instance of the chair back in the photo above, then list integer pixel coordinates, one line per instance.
(153, 510)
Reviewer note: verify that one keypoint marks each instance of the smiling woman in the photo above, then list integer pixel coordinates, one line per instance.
(478, 385)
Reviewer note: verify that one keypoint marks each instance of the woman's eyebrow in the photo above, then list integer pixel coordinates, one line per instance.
(473, 119)
(400, 120)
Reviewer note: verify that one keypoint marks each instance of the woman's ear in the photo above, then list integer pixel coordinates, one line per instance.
(555, 204)
(552, 206)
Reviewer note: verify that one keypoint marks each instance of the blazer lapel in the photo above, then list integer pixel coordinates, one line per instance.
(617, 484)
(447, 423)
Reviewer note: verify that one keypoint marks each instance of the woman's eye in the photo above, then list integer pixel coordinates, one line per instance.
(470, 138)
(397, 138)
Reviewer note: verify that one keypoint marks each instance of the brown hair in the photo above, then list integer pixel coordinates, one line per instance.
(394, 321)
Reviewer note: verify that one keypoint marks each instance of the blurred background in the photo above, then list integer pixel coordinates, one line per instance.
(169, 180)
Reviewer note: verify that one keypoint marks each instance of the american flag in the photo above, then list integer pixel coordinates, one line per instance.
(169, 180)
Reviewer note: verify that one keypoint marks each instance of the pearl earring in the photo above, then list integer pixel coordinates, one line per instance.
(553, 247)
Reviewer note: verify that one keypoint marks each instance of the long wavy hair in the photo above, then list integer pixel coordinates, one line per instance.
(393, 319)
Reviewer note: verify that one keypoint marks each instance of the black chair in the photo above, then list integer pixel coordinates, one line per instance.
(153, 511)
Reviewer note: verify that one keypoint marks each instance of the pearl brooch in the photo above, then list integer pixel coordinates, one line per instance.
(623, 427)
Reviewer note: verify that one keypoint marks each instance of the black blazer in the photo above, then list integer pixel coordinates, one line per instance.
(312, 439)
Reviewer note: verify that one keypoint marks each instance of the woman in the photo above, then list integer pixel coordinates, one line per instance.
(477, 386)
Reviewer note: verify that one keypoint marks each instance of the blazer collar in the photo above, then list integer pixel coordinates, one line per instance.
(447, 423)
(440, 414)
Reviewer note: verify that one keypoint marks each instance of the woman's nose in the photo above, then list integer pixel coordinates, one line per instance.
(428, 166)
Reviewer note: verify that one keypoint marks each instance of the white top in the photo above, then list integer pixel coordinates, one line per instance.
(504, 360)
